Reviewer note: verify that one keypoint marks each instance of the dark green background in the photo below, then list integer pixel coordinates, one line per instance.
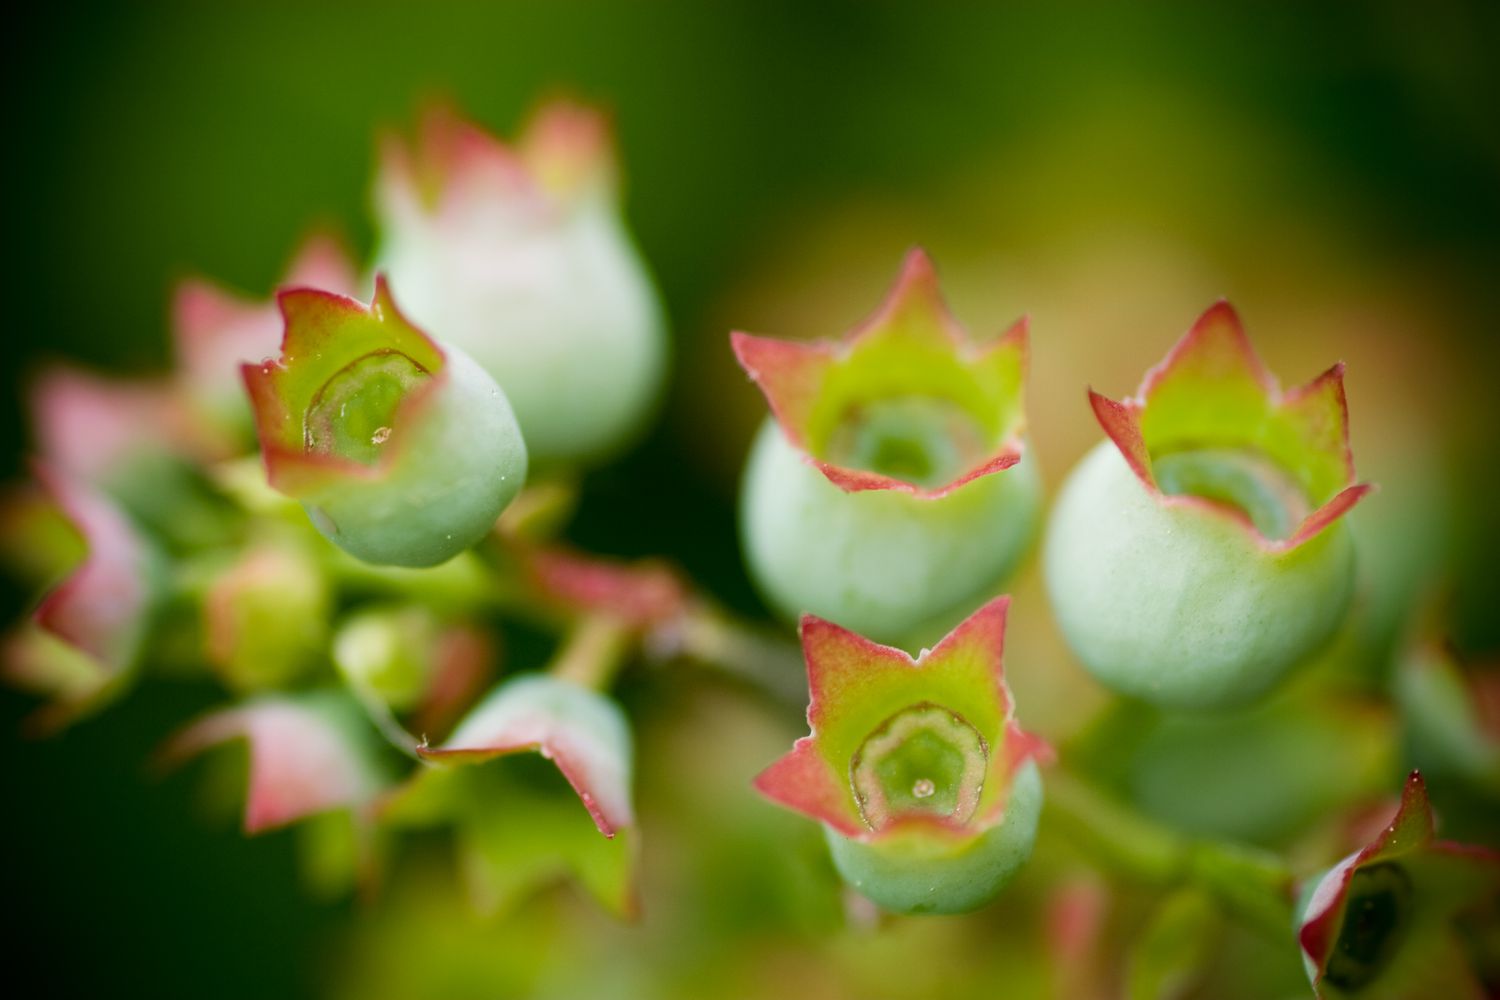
(148, 141)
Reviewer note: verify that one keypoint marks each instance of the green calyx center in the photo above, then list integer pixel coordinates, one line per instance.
(353, 415)
(1239, 478)
(924, 760)
(1376, 916)
(922, 440)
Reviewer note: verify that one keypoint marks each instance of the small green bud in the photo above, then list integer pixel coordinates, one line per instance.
(266, 618)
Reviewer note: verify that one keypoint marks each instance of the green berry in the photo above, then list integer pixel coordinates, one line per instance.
(403, 452)
(889, 491)
(1199, 554)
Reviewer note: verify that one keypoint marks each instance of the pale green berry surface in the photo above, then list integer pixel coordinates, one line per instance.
(465, 462)
(941, 875)
(879, 562)
(1179, 604)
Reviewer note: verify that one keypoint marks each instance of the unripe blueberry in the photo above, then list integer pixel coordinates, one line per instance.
(928, 791)
(889, 488)
(519, 256)
(1200, 553)
(402, 451)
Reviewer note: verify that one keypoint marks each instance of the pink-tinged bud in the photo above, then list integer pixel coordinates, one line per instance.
(1378, 922)
(889, 488)
(98, 430)
(1200, 552)
(215, 331)
(85, 636)
(402, 451)
(581, 731)
(927, 789)
(519, 257)
(308, 755)
(413, 660)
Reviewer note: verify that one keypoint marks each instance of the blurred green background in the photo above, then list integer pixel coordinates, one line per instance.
(1111, 170)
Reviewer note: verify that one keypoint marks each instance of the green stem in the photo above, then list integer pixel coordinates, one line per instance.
(757, 657)
(1250, 883)
(593, 653)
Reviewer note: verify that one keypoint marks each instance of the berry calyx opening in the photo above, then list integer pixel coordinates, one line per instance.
(352, 415)
(922, 440)
(1376, 917)
(924, 760)
(1239, 478)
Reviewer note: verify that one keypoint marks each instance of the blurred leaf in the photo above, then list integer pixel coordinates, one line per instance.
(1172, 950)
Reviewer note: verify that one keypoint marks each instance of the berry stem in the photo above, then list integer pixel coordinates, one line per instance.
(593, 653)
(1252, 884)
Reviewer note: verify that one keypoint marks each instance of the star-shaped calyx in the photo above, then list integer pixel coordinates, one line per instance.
(1211, 426)
(901, 746)
(349, 381)
(905, 401)
(1378, 924)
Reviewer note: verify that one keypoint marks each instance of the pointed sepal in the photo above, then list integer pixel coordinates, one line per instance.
(905, 401)
(84, 638)
(1212, 391)
(216, 330)
(582, 732)
(1379, 922)
(308, 755)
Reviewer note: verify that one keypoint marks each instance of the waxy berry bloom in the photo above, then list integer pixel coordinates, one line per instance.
(888, 489)
(401, 450)
(1201, 551)
(927, 789)
(519, 257)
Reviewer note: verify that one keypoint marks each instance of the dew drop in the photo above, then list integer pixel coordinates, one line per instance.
(923, 788)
